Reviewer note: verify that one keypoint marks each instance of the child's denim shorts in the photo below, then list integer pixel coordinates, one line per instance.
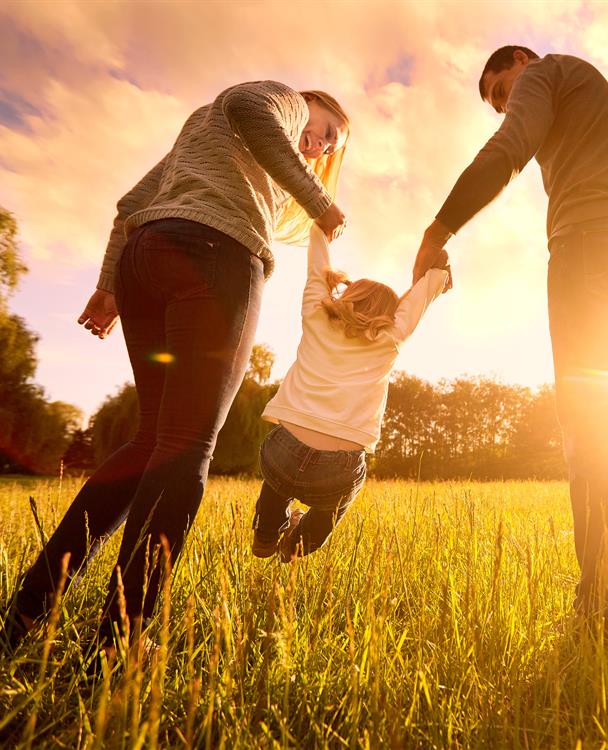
(322, 479)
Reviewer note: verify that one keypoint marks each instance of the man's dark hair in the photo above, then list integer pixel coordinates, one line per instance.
(501, 60)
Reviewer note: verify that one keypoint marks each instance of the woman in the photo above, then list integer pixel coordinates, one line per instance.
(187, 283)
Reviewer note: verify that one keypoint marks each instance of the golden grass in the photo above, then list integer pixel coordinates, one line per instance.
(437, 616)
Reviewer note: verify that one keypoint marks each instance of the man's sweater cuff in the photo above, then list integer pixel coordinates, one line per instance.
(448, 221)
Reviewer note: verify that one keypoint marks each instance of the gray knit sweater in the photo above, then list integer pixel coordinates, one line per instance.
(233, 165)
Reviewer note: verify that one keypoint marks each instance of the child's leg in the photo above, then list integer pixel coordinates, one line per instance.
(271, 513)
(331, 484)
(309, 531)
(314, 527)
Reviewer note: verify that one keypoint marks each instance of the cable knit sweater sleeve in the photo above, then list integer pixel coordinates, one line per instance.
(262, 114)
(137, 198)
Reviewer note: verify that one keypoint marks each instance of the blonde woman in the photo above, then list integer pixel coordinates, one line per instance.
(185, 267)
(329, 408)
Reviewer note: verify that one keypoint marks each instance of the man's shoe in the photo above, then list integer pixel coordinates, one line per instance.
(264, 546)
(287, 549)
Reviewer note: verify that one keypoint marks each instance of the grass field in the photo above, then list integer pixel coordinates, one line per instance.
(438, 616)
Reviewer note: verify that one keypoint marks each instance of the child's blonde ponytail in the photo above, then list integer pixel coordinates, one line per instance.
(364, 309)
(334, 279)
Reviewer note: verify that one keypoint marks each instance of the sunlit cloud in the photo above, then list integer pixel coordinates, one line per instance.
(92, 96)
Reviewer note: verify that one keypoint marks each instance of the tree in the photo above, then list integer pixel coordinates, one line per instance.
(79, 456)
(11, 265)
(261, 363)
(115, 422)
(468, 427)
(34, 433)
(239, 441)
(537, 440)
(480, 417)
(37, 433)
(408, 441)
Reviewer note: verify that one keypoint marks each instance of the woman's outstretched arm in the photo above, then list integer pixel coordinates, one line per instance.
(266, 115)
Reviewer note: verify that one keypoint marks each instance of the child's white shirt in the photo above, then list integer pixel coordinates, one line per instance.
(339, 385)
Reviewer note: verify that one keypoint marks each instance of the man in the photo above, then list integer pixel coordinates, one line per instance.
(556, 109)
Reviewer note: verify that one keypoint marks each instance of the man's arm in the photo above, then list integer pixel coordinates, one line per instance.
(433, 240)
(530, 113)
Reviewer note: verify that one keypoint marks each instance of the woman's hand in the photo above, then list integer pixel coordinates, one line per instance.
(100, 314)
(332, 221)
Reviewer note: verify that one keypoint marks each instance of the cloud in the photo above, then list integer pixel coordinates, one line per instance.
(95, 94)
(63, 170)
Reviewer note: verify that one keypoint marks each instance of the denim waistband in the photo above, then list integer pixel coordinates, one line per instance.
(190, 230)
(301, 450)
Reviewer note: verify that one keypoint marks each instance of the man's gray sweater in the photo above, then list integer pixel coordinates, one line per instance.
(558, 112)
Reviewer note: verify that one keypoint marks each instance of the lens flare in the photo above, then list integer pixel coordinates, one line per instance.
(588, 375)
(163, 357)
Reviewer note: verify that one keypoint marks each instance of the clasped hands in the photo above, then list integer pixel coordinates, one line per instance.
(432, 254)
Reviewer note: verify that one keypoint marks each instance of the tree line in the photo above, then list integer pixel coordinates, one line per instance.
(34, 431)
(468, 427)
(465, 428)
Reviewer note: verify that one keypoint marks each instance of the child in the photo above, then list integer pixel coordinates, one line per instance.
(330, 406)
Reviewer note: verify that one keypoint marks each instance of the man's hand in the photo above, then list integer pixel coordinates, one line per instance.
(332, 221)
(100, 314)
(442, 261)
(431, 249)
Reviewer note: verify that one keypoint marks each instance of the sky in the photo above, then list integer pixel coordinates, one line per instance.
(92, 94)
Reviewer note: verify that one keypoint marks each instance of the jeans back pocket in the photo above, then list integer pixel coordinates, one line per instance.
(595, 263)
(179, 264)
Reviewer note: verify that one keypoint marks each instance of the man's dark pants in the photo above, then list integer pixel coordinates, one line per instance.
(578, 318)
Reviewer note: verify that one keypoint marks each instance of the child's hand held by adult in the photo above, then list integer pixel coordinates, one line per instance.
(332, 221)
(100, 314)
(442, 261)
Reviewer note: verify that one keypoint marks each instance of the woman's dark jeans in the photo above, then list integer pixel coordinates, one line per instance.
(578, 316)
(189, 298)
(327, 481)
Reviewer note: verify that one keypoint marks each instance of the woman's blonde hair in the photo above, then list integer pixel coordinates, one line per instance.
(363, 309)
(293, 226)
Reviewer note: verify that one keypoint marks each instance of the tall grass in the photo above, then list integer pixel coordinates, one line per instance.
(437, 616)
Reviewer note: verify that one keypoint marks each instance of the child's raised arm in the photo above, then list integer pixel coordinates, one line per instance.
(318, 262)
(416, 300)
